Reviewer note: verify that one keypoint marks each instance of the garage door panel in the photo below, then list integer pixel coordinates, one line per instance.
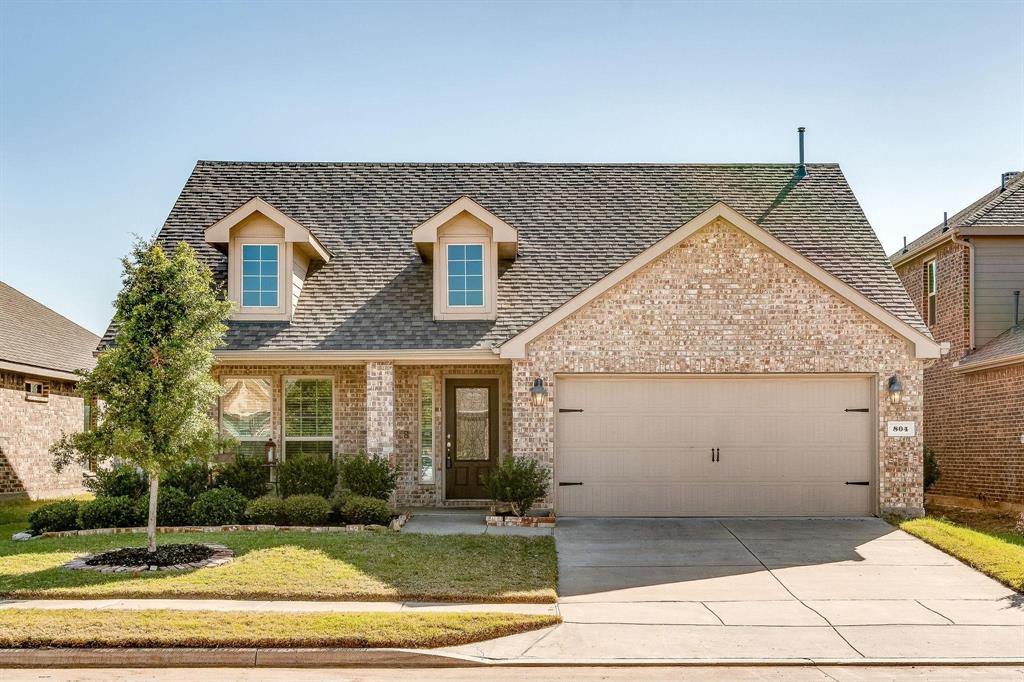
(642, 446)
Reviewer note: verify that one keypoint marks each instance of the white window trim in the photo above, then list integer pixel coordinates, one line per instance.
(931, 296)
(220, 407)
(466, 312)
(241, 285)
(433, 430)
(283, 448)
(42, 397)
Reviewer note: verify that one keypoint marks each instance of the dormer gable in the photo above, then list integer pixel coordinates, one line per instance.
(464, 243)
(269, 256)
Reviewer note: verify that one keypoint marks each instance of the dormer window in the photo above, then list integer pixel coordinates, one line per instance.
(465, 275)
(269, 256)
(260, 275)
(465, 242)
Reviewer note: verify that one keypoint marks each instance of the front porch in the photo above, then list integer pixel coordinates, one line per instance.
(388, 409)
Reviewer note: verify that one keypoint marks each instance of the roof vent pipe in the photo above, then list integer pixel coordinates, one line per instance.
(904, 243)
(802, 171)
(945, 221)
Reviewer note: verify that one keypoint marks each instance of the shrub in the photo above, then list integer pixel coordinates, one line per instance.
(520, 481)
(56, 516)
(338, 503)
(191, 478)
(932, 473)
(306, 475)
(366, 510)
(369, 476)
(173, 507)
(219, 507)
(306, 510)
(110, 512)
(247, 475)
(122, 480)
(267, 509)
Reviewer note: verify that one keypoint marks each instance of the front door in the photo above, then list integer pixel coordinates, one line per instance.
(471, 436)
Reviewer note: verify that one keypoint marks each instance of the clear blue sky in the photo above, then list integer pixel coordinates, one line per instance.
(106, 107)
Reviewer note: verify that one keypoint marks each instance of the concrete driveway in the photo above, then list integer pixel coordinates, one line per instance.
(765, 589)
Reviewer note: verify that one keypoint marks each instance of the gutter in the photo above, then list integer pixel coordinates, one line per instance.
(401, 357)
(970, 285)
(990, 364)
(40, 371)
(1003, 231)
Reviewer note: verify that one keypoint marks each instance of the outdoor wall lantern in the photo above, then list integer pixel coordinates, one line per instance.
(538, 392)
(269, 447)
(895, 389)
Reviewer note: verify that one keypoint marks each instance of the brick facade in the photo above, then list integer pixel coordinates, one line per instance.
(721, 303)
(973, 421)
(27, 429)
(380, 409)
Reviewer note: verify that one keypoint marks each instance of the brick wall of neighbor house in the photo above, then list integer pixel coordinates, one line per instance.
(721, 303)
(350, 411)
(974, 421)
(27, 429)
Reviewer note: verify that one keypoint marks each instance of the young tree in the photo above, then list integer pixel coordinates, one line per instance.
(154, 381)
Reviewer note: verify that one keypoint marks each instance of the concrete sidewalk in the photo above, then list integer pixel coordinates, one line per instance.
(229, 605)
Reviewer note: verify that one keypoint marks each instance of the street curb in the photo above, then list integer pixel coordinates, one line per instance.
(402, 658)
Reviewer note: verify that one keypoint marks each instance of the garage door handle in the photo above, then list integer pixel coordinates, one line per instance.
(568, 409)
(561, 483)
(858, 483)
(857, 409)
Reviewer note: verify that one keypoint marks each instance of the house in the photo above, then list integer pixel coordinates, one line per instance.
(965, 276)
(668, 339)
(40, 352)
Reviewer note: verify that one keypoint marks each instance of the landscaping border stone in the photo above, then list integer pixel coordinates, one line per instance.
(395, 525)
(221, 555)
(523, 522)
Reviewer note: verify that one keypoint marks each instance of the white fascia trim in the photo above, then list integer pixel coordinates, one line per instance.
(502, 232)
(355, 357)
(952, 234)
(39, 371)
(515, 348)
(924, 248)
(220, 231)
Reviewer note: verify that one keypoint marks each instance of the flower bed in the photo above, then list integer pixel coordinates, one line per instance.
(395, 525)
(178, 557)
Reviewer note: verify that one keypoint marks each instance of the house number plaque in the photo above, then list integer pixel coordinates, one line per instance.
(901, 429)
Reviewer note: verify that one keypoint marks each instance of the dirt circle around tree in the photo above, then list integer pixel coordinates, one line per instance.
(172, 557)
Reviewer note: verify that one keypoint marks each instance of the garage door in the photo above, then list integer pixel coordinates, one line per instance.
(715, 446)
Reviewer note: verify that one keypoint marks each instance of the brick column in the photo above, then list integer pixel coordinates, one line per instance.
(380, 409)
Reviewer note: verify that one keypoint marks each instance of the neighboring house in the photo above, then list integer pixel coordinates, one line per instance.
(965, 276)
(40, 352)
(669, 339)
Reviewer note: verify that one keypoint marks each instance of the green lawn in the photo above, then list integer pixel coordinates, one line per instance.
(29, 628)
(326, 566)
(996, 554)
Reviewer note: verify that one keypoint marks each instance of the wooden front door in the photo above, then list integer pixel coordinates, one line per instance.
(471, 436)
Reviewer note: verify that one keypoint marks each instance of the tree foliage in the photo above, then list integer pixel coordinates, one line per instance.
(153, 383)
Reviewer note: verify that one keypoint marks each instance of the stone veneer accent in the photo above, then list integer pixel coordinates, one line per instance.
(28, 429)
(722, 303)
(380, 409)
(973, 421)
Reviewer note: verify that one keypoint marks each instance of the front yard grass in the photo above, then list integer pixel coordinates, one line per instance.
(31, 628)
(272, 565)
(998, 554)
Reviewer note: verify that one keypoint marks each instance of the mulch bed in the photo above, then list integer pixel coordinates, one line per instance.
(174, 557)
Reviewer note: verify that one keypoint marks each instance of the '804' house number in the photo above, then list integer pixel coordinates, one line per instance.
(901, 429)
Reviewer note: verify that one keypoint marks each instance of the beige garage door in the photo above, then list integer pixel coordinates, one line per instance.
(715, 446)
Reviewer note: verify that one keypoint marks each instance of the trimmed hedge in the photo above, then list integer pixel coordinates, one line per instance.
(369, 476)
(219, 507)
(366, 510)
(306, 475)
(306, 510)
(266, 510)
(119, 481)
(192, 478)
(110, 512)
(61, 515)
(246, 474)
(173, 507)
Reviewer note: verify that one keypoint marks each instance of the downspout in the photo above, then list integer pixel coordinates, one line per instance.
(970, 285)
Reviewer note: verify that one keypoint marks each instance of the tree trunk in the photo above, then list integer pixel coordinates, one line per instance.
(154, 485)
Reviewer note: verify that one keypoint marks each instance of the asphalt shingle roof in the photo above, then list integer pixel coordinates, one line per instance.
(32, 334)
(576, 223)
(998, 208)
(1007, 345)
